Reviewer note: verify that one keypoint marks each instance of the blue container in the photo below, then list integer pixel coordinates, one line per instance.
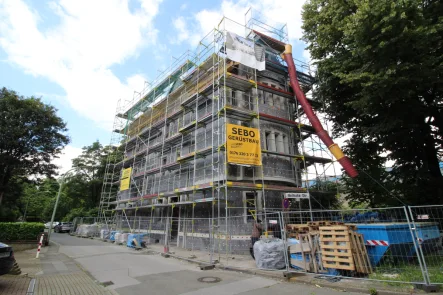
(138, 237)
(112, 235)
(399, 239)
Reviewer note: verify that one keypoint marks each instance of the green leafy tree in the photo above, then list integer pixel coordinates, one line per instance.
(31, 135)
(91, 166)
(35, 199)
(9, 210)
(379, 69)
(86, 185)
(325, 194)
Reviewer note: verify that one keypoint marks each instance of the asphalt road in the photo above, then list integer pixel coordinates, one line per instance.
(133, 273)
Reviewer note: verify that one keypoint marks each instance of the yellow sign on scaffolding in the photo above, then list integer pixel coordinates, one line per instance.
(243, 145)
(126, 173)
(124, 184)
(125, 179)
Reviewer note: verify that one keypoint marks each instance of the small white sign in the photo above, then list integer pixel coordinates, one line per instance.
(272, 221)
(297, 196)
(423, 217)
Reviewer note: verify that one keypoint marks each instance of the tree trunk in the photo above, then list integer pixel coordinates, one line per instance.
(1, 197)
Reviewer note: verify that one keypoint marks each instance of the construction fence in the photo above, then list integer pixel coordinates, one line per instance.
(398, 244)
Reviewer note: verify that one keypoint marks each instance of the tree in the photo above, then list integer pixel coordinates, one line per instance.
(36, 199)
(31, 135)
(325, 194)
(91, 164)
(379, 69)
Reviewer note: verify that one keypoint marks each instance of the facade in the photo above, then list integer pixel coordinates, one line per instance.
(173, 140)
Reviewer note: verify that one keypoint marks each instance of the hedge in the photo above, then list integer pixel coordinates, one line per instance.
(14, 231)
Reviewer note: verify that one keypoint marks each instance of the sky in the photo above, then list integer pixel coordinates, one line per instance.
(82, 56)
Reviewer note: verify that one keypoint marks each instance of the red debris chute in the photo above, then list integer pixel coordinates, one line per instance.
(315, 122)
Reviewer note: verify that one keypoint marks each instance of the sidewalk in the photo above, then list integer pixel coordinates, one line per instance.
(244, 263)
(19, 284)
(54, 274)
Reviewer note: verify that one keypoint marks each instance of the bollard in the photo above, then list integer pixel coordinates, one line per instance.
(39, 246)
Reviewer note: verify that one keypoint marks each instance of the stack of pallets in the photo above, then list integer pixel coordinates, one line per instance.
(331, 245)
(336, 247)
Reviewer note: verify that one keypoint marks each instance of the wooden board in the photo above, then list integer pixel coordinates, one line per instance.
(351, 226)
(303, 247)
(297, 228)
(336, 252)
(317, 223)
(366, 263)
(359, 266)
(338, 263)
(335, 245)
(334, 228)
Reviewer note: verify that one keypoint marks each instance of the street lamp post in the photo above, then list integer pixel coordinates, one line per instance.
(62, 180)
(26, 210)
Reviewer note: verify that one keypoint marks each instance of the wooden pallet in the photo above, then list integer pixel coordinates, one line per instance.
(297, 228)
(361, 258)
(317, 223)
(324, 223)
(351, 226)
(336, 247)
(335, 223)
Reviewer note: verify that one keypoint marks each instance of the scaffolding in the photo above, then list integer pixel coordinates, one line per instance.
(172, 135)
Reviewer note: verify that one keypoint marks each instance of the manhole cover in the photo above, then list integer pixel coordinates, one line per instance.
(209, 280)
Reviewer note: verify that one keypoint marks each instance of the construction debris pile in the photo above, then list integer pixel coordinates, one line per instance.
(87, 230)
(327, 247)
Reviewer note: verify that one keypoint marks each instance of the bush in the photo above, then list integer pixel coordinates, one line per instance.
(12, 231)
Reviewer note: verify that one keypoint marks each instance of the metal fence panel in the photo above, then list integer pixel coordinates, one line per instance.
(427, 224)
(398, 245)
(371, 243)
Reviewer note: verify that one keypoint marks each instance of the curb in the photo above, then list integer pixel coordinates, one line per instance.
(31, 287)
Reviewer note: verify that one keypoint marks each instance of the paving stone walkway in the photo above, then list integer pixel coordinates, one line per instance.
(60, 275)
(14, 285)
(78, 283)
(54, 273)
(18, 284)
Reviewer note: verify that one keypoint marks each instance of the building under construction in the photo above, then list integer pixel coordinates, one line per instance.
(226, 131)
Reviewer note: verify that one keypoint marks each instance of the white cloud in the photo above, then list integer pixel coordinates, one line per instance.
(182, 30)
(273, 12)
(307, 56)
(77, 53)
(64, 162)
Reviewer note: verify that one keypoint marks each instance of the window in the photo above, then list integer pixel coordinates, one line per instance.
(261, 97)
(233, 170)
(249, 172)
